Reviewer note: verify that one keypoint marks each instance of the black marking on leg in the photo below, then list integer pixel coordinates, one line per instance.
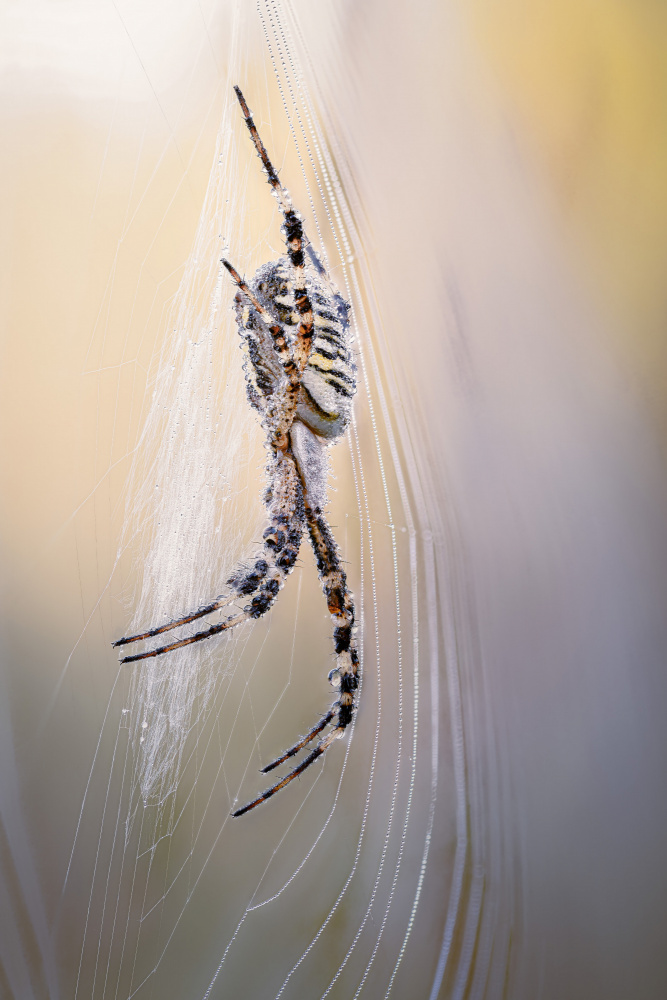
(271, 587)
(275, 539)
(348, 683)
(259, 605)
(342, 638)
(249, 582)
(345, 714)
(287, 558)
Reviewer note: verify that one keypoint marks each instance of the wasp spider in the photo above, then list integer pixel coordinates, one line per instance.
(301, 379)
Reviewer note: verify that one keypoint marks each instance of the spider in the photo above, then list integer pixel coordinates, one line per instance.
(300, 378)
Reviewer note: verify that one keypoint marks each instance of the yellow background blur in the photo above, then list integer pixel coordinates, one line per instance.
(586, 83)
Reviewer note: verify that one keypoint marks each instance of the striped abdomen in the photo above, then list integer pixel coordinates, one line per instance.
(329, 379)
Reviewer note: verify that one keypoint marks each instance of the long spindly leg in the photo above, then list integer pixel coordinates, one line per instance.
(303, 741)
(282, 540)
(321, 747)
(294, 240)
(208, 609)
(282, 195)
(341, 608)
(345, 676)
(197, 637)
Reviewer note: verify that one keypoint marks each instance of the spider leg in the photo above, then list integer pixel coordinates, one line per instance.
(324, 721)
(341, 608)
(213, 630)
(282, 195)
(265, 577)
(294, 239)
(213, 606)
(279, 415)
(321, 747)
(275, 329)
(345, 675)
(310, 456)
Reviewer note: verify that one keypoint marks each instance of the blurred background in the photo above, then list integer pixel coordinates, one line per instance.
(492, 198)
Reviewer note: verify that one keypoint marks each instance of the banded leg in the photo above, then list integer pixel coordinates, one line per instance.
(304, 741)
(341, 608)
(345, 675)
(281, 543)
(220, 602)
(305, 763)
(294, 239)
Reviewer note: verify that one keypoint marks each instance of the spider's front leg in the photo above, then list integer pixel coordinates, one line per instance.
(294, 240)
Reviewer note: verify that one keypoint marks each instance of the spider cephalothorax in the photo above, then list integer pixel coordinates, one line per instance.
(301, 379)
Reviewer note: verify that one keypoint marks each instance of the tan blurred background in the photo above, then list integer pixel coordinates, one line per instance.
(509, 185)
(586, 88)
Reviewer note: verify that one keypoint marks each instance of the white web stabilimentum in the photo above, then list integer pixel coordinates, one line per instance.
(188, 484)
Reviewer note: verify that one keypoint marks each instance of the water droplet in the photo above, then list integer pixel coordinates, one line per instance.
(334, 677)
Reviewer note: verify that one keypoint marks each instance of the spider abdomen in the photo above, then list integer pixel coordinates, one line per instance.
(328, 382)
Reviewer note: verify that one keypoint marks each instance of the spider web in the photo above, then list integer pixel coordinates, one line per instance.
(170, 895)
(185, 495)
(481, 831)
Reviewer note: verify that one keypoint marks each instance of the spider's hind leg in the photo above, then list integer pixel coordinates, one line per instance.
(319, 750)
(312, 463)
(310, 453)
(264, 578)
(346, 674)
